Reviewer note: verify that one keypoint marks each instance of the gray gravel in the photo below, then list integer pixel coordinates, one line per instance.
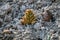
(11, 11)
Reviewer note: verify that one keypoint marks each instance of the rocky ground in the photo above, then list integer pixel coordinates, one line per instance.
(11, 11)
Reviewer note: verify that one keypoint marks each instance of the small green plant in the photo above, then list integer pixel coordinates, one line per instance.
(49, 37)
(29, 17)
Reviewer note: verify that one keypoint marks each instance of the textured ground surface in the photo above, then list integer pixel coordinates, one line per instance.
(11, 11)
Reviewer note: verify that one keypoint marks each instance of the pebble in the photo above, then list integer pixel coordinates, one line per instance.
(7, 18)
(31, 1)
(5, 9)
(47, 15)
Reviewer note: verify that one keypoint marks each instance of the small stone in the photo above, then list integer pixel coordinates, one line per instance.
(55, 38)
(23, 8)
(57, 1)
(6, 31)
(38, 5)
(31, 1)
(39, 39)
(20, 2)
(59, 33)
(9, 0)
(7, 18)
(47, 16)
(37, 26)
(53, 31)
(1, 22)
(5, 9)
(53, 1)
